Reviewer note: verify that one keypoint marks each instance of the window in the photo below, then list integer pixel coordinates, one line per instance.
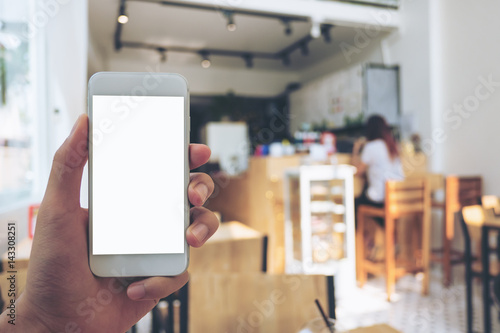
(17, 103)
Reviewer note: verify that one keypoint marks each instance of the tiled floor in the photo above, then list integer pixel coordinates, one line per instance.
(443, 311)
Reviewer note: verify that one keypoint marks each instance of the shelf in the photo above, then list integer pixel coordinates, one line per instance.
(325, 207)
(325, 223)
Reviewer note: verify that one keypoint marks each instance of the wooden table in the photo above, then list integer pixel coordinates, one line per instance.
(231, 237)
(234, 247)
(491, 223)
(381, 328)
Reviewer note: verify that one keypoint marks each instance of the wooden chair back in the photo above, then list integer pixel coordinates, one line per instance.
(460, 191)
(410, 197)
(406, 197)
(463, 191)
(256, 302)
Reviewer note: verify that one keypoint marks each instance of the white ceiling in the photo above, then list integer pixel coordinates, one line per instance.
(195, 28)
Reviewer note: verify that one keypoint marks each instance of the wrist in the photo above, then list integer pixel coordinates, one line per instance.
(21, 318)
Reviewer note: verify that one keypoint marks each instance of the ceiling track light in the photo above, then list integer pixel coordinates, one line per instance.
(163, 54)
(288, 26)
(248, 60)
(231, 26)
(123, 19)
(304, 48)
(122, 16)
(285, 58)
(284, 55)
(325, 31)
(205, 60)
(315, 29)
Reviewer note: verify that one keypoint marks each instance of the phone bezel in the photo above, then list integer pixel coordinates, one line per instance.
(139, 84)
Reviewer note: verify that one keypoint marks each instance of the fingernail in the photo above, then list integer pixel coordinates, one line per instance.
(202, 190)
(136, 291)
(200, 231)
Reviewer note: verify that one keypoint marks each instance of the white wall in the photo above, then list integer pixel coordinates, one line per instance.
(67, 52)
(96, 60)
(470, 50)
(328, 99)
(409, 47)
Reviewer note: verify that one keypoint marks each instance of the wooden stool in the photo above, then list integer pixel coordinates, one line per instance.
(402, 198)
(460, 192)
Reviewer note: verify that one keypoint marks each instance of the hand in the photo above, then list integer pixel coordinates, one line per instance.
(62, 294)
(358, 144)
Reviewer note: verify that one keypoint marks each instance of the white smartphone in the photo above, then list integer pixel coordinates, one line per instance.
(138, 174)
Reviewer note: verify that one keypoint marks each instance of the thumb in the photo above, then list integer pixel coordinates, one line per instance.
(63, 188)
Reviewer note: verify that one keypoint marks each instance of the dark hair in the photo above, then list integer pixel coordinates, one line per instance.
(377, 128)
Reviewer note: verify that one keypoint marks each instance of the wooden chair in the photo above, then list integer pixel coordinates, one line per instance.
(257, 302)
(471, 219)
(402, 199)
(460, 192)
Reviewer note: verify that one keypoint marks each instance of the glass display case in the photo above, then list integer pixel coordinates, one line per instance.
(319, 221)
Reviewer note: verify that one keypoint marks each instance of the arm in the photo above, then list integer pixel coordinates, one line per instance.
(356, 157)
(62, 294)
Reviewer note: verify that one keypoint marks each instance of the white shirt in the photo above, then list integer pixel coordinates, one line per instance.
(380, 168)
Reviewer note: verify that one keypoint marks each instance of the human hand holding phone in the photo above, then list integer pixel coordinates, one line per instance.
(62, 294)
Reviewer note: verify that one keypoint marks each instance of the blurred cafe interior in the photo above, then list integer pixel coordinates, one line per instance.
(282, 93)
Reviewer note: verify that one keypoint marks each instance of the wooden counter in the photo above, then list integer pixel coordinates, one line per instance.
(381, 328)
(256, 199)
(234, 247)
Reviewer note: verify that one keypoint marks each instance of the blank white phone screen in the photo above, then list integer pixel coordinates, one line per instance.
(137, 175)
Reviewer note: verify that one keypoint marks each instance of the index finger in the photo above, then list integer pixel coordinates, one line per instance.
(198, 155)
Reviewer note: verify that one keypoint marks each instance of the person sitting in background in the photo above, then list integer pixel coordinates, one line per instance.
(379, 161)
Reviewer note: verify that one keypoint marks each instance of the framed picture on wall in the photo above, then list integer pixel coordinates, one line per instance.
(381, 93)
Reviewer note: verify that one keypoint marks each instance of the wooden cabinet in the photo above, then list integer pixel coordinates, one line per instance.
(256, 199)
(319, 222)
